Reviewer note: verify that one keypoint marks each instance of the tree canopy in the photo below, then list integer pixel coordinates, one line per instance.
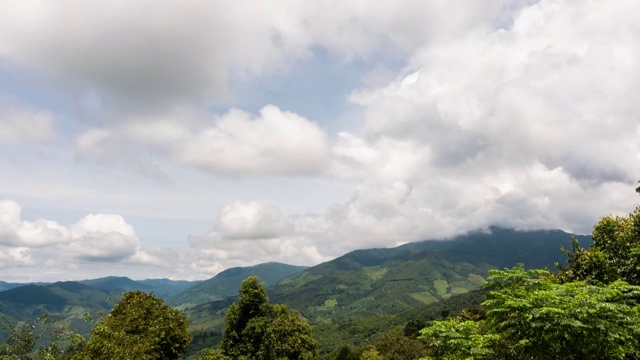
(140, 326)
(255, 329)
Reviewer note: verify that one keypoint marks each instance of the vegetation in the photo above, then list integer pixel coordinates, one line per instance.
(258, 330)
(588, 310)
(417, 301)
(226, 283)
(140, 326)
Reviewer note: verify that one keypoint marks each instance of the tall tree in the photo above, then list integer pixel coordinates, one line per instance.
(613, 255)
(140, 326)
(254, 329)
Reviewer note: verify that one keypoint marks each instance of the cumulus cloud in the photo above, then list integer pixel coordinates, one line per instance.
(505, 126)
(512, 113)
(250, 233)
(189, 51)
(104, 237)
(17, 256)
(21, 233)
(275, 142)
(19, 125)
(251, 220)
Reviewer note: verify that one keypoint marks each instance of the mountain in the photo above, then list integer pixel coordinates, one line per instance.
(7, 286)
(29, 301)
(389, 281)
(380, 282)
(226, 283)
(116, 283)
(165, 288)
(162, 288)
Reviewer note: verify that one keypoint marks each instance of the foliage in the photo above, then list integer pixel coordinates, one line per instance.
(531, 316)
(395, 345)
(371, 353)
(60, 342)
(21, 340)
(455, 339)
(257, 330)
(140, 326)
(613, 255)
(227, 282)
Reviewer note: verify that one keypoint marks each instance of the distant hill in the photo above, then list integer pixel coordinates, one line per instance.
(226, 283)
(162, 288)
(165, 288)
(29, 301)
(380, 282)
(119, 283)
(7, 286)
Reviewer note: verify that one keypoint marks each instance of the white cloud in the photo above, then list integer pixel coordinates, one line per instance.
(17, 256)
(102, 237)
(543, 110)
(19, 125)
(136, 58)
(250, 233)
(21, 233)
(274, 143)
(252, 220)
(512, 113)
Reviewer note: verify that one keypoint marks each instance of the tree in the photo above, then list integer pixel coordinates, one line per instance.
(370, 353)
(395, 345)
(20, 342)
(613, 255)
(531, 316)
(252, 304)
(254, 329)
(140, 326)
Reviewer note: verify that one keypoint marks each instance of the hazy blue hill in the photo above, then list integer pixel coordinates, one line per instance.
(31, 295)
(165, 288)
(7, 286)
(66, 299)
(226, 283)
(116, 283)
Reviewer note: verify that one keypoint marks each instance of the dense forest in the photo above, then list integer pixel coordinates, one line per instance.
(586, 308)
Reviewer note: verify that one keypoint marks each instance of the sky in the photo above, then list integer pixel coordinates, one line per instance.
(176, 139)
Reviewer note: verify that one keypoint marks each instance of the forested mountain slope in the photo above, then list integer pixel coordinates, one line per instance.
(382, 281)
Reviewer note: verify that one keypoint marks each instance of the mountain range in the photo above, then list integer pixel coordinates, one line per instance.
(381, 284)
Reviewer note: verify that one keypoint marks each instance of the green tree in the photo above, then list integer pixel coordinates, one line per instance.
(20, 342)
(140, 326)
(371, 353)
(394, 345)
(253, 303)
(613, 255)
(254, 329)
(531, 316)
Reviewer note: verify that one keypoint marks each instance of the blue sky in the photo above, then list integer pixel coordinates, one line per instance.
(177, 139)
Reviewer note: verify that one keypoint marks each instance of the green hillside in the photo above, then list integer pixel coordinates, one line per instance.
(116, 283)
(378, 283)
(226, 283)
(29, 301)
(165, 288)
